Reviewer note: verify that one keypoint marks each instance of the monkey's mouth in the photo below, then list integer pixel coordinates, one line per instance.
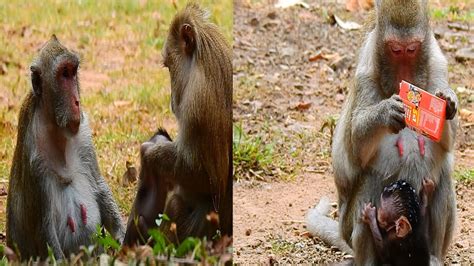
(73, 125)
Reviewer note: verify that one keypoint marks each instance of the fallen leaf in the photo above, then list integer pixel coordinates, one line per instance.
(303, 106)
(122, 103)
(289, 3)
(130, 174)
(466, 115)
(316, 57)
(347, 25)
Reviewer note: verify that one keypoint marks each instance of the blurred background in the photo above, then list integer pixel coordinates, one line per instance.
(124, 88)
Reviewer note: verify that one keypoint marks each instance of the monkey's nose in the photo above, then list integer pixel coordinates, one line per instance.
(76, 103)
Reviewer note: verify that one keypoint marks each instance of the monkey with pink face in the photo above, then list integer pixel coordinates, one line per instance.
(371, 135)
(56, 196)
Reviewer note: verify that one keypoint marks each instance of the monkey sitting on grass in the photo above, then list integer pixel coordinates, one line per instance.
(56, 195)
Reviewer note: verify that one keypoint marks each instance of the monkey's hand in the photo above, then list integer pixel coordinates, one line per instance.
(428, 187)
(393, 113)
(368, 213)
(451, 102)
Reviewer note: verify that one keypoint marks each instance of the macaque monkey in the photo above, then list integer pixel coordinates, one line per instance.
(371, 136)
(196, 167)
(151, 196)
(56, 195)
(398, 226)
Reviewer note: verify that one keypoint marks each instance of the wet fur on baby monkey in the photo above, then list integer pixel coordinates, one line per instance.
(399, 226)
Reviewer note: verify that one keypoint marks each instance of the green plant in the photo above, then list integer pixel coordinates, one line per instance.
(105, 240)
(251, 155)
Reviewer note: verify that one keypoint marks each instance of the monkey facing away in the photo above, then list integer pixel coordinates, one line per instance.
(371, 136)
(56, 195)
(398, 226)
(197, 165)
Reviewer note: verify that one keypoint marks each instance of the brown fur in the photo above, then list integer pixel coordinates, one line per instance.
(48, 173)
(200, 159)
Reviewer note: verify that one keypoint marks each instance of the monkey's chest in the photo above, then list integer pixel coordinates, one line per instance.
(407, 155)
(75, 213)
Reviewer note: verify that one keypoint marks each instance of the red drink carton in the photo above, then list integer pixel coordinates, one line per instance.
(424, 112)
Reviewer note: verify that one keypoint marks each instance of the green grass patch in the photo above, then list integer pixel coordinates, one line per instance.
(464, 174)
(252, 157)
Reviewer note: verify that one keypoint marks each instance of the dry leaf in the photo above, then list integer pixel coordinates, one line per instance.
(122, 103)
(289, 3)
(303, 106)
(466, 115)
(316, 57)
(347, 25)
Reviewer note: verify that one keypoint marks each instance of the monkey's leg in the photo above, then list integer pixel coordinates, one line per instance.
(189, 214)
(442, 215)
(226, 207)
(363, 247)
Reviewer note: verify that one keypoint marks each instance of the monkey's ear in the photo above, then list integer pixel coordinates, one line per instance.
(36, 80)
(402, 227)
(188, 37)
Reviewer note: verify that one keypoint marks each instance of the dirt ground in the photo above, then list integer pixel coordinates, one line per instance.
(284, 94)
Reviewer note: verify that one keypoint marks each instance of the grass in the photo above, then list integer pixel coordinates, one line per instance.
(124, 89)
(252, 157)
(464, 175)
(451, 10)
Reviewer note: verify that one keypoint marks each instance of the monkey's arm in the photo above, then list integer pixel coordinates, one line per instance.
(369, 217)
(109, 211)
(167, 162)
(48, 228)
(439, 85)
(372, 118)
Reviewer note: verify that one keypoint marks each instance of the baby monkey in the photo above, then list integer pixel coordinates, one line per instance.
(399, 226)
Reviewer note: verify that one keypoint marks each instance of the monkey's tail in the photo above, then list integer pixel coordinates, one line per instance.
(320, 225)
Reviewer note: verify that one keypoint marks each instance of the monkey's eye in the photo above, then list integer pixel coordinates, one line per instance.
(65, 73)
(74, 70)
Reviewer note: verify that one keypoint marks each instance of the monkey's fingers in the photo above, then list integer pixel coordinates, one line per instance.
(428, 185)
(397, 98)
(451, 104)
(397, 121)
(368, 212)
(395, 113)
